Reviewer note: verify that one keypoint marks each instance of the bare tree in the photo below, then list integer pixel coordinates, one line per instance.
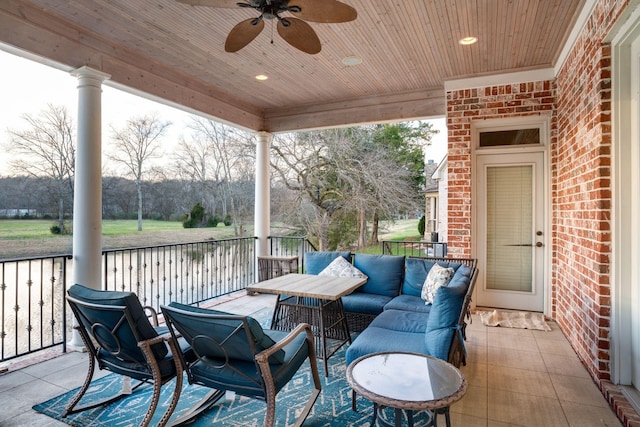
(232, 154)
(343, 178)
(137, 142)
(46, 149)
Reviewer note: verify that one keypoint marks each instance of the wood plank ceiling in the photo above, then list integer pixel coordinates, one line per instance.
(409, 48)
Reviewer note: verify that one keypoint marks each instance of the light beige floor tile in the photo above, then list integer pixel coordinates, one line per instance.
(491, 423)
(521, 381)
(525, 409)
(579, 390)
(580, 415)
(499, 330)
(516, 342)
(476, 353)
(476, 374)
(553, 346)
(511, 358)
(463, 420)
(474, 403)
(565, 365)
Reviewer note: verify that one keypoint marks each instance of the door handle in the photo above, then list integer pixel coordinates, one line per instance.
(528, 245)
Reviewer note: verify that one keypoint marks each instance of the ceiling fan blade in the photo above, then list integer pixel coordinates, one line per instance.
(300, 35)
(228, 4)
(242, 34)
(325, 11)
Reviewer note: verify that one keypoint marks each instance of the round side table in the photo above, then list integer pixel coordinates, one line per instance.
(406, 382)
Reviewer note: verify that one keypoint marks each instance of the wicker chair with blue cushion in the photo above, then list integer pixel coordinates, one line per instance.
(120, 338)
(234, 353)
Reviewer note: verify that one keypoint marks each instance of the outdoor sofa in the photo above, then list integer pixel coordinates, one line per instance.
(389, 312)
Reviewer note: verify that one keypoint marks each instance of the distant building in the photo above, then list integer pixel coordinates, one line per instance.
(20, 212)
(436, 205)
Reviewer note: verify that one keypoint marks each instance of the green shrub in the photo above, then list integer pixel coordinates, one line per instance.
(421, 225)
(213, 221)
(55, 229)
(227, 220)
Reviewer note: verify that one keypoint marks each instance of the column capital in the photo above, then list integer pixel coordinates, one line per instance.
(264, 136)
(91, 73)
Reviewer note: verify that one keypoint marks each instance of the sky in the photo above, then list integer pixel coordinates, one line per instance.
(27, 87)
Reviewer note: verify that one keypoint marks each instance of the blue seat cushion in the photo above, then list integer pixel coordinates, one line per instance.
(385, 273)
(126, 336)
(315, 262)
(373, 340)
(248, 382)
(408, 303)
(443, 320)
(404, 321)
(359, 302)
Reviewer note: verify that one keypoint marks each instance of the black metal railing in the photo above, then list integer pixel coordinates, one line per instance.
(33, 314)
(286, 246)
(188, 273)
(414, 249)
(32, 304)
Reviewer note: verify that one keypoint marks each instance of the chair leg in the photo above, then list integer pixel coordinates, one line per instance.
(87, 381)
(157, 383)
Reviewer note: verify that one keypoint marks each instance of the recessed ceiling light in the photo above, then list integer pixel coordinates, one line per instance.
(261, 77)
(351, 60)
(468, 40)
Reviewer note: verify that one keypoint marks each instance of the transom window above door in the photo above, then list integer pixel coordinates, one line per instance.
(509, 137)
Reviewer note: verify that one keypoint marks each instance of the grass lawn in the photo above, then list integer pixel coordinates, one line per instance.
(24, 229)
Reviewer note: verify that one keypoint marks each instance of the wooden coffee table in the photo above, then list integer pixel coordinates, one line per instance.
(317, 300)
(407, 382)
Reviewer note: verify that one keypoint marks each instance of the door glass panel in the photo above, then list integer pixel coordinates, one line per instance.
(509, 251)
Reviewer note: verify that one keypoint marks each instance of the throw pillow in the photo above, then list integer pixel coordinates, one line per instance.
(438, 276)
(340, 267)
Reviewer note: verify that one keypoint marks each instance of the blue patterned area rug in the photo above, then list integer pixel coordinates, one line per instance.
(332, 408)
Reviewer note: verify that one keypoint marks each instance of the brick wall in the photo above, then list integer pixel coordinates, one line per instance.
(578, 102)
(582, 194)
(463, 107)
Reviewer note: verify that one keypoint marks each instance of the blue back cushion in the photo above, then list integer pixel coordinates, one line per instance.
(416, 270)
(385, 273)
(142, 326)
(443, 319)
(219, 329)
(315, 262)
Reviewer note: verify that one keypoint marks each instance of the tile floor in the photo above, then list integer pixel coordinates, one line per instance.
(516, 378)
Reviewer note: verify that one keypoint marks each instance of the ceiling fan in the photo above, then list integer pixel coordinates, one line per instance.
(293, 29)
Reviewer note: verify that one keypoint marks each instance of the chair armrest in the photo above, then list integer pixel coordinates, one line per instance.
(301, 328)
(153, 314)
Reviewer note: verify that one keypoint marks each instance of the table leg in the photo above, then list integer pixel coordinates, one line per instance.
(323, 339)
(399, 417)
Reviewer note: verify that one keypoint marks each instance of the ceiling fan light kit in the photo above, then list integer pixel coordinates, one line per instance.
(291, 27)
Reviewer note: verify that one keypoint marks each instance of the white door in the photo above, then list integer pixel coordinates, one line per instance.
(511, 235)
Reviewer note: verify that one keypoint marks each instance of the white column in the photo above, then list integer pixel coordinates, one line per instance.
(262, 213)
(87, 201)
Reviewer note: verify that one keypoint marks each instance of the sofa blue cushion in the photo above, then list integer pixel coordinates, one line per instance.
(408, 303)
(359, 302)
(404, 321)
(385, 273)
(315, 262)
(370, 340)
(462, 277)
(417, 269)
(443, 320)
